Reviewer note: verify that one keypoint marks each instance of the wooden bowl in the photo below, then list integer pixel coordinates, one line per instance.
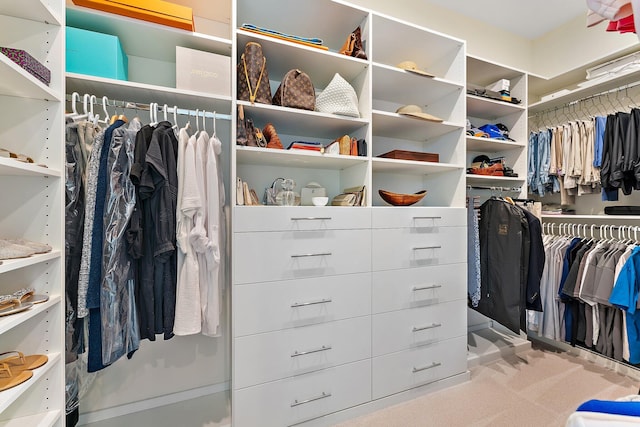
(398, 199)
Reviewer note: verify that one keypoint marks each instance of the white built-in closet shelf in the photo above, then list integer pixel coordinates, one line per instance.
(16, 81)
(11, 321)
(9, 396)
(12, 167)
(494, 181)
(490, 109)
(14, 264)
(295, 158)
(295, 121)
(490, 145)
(142, 38)
(47, 419)
(122, 90)
(592, 217)
(394, 125)
(33, 10)
(411, 167)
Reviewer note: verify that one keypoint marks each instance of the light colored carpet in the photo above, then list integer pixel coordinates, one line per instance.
(538, 387)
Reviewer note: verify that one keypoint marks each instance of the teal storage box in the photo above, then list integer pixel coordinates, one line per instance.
(95, 54)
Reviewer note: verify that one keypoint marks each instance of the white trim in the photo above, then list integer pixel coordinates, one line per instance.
(155, 402)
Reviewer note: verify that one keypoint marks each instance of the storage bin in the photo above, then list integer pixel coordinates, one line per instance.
(95, 54)
(203, 71)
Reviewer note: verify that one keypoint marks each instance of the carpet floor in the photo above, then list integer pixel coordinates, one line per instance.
(538, 387)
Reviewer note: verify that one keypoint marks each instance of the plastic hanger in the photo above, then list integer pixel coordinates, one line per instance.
(175, 117)
(164, 111)
(214, 123)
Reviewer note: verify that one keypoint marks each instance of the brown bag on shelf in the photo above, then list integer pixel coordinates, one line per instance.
(296, 91)
(353, 45)
(246, 132)
(253, 77)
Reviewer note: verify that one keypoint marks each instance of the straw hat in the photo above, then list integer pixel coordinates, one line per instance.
(416, 111)
(413, 67)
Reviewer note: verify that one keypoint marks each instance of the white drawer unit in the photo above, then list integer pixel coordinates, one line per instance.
(416, 287)
(418, 217)
(396, 372)
(395, 248)
(261, 257)
(400, 330)
(278, 218)
(271, 306)
(304, 397)
(300, 350)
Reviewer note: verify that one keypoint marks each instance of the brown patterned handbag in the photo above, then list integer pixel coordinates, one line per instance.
(296, 91)
(253, 77)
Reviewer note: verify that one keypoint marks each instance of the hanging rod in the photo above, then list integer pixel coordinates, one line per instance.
(480, 187)
(160, 108)
(586, 98)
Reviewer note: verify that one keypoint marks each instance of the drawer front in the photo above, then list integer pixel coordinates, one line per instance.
(261, 257)
(301, 398)
(277, 355)
(395, 248)
(407, 369)
(418, 217)
(271, 306)
(416, 287)
(414, 327)
(280, 218)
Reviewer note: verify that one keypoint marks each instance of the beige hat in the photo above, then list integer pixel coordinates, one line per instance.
(416, 111)
(413, 67)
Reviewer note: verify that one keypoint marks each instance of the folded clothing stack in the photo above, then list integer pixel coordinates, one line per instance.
(307, 41)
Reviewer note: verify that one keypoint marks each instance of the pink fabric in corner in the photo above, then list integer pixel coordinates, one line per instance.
(613, 10)
(624, 25)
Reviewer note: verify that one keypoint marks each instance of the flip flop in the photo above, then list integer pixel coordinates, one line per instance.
(29, 295)
(9, 379)
(18, 362)
(17, 308)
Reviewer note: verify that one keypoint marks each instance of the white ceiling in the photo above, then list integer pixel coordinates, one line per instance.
(527, 18)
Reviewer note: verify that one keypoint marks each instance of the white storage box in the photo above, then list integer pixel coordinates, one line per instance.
(203, 71)
(500, 86)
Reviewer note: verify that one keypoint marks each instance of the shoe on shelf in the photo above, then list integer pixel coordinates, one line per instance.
(29, 295)
(40, 248)
(10, 379)
(18, 362)
(10, 250)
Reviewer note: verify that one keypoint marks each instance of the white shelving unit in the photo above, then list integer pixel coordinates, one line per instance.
(481, 111)
(33, 206)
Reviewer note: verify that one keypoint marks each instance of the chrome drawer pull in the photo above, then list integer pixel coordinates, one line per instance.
(304, 304)
(426, 247)
(312, 218)
(310, 255)
(316, 350)
(302, 402)
(424, 288)
(427, 217)
(424, 368)
(422, 328)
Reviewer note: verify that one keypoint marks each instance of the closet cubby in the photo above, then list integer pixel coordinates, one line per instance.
(33, 207)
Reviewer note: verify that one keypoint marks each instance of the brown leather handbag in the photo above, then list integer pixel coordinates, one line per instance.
(353, 45)
(253, 77)
(296, 91)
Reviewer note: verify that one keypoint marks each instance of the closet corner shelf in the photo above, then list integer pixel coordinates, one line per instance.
(441, 80)
(7, 397)
(490, 109)
(33, 10)
(46, 419)
(321, 64)
(295, 158)
(15, 81)
(145, 93)
(394, 125)
(14, 264)
(412, 167)
(489, 145)
(11, 321)
(12, 167)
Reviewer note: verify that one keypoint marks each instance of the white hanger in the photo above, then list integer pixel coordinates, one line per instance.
(197, 121)
(75, 96)
(153, 110)
(214, 123)
(175, 117)
(204, 120)
(164, 111)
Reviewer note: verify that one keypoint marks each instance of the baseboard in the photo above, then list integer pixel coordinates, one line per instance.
(385, 402)
(155, 402)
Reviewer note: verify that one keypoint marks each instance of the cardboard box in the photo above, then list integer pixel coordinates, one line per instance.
(95, 54)
(203, 71)
(29, 63)
(156, 11)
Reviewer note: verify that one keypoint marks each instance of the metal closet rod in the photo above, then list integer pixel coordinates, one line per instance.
(571, 227)
(147, 107)
(481, 187)
(586, 98)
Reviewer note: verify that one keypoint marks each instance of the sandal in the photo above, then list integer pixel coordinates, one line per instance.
(9, 304)
(29, 295)
(9, 379)
(18, 362)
